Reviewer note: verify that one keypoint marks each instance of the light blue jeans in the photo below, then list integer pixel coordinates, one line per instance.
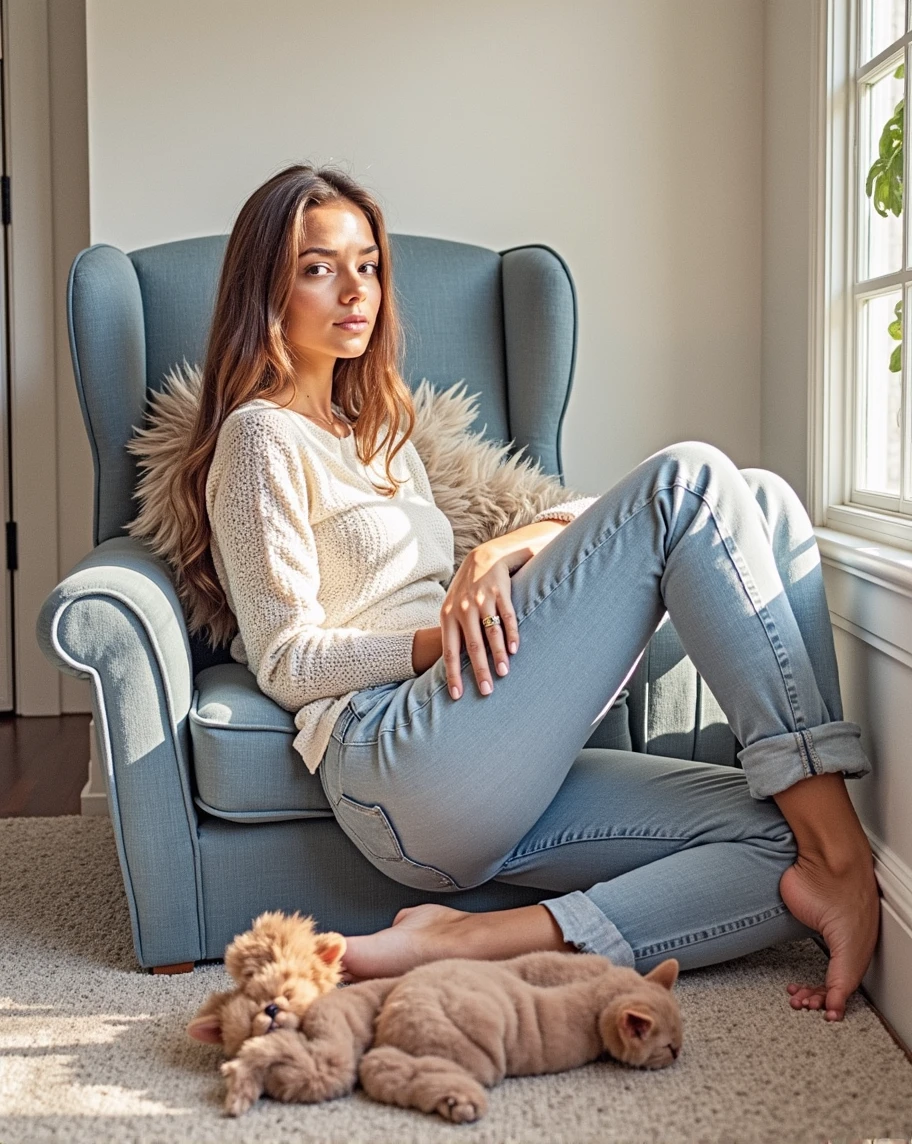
(643, 857)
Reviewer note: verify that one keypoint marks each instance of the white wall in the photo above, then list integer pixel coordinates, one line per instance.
(789, 145)
(625, 133)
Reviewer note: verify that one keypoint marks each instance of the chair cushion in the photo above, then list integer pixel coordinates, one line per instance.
(246, 767)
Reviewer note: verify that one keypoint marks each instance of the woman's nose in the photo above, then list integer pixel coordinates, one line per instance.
(356, 290)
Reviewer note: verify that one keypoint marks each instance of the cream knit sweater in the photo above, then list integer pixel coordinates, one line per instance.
(329, 580)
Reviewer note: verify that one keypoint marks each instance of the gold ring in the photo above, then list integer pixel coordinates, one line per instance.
(491, 622)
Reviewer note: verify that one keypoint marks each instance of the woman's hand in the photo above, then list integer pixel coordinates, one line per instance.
(480, 588)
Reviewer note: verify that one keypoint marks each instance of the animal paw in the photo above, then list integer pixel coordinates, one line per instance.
(243, 1090)
(461, 1108)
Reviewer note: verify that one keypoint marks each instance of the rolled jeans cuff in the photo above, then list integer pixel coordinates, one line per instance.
(771, 765)
(584, 925)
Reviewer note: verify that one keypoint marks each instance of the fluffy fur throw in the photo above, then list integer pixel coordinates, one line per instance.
(483, 492)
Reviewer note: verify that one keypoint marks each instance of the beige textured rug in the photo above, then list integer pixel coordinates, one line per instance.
(93, 1050)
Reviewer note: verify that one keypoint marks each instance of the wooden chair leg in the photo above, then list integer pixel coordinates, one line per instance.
(181, 967)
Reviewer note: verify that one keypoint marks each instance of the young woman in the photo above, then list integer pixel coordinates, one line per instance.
(446, 710)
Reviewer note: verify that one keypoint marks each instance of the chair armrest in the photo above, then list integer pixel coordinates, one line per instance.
(116, 619)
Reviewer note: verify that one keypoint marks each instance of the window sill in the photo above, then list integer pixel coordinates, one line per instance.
(881, 563)
(869, 591)
(884, 528)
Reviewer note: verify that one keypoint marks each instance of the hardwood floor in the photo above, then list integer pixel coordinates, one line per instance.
(43, 764)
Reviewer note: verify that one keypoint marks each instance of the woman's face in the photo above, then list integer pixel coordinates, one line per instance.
(336, 279)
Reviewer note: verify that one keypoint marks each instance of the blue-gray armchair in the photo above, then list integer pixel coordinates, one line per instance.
(215, 816)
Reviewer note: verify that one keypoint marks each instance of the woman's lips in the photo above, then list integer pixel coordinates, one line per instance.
(352, 324)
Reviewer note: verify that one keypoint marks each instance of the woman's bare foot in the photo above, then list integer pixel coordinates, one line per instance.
(844, 907)
(831, 887)
(430, 932)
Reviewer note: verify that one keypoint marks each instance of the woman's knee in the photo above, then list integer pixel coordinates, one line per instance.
(697, 463)
(773, 493)
(785, 514)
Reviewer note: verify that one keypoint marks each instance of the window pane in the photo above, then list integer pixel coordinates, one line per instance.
(881, 383)
(881, 197)
(882, 22)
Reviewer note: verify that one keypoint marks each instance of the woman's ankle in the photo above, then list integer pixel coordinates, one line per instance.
(824, 822)
(499, 934)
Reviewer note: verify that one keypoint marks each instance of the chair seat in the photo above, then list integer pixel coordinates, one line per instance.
(246, 767)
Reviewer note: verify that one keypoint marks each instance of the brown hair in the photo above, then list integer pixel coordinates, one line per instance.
(247, 356)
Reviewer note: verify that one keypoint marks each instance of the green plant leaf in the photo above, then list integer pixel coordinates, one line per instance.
(884, 187)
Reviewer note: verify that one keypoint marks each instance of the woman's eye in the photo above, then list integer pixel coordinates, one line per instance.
(372, 267)
(317, 266)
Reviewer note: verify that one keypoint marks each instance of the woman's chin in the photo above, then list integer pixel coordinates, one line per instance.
(352, 351)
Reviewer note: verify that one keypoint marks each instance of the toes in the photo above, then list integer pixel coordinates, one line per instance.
(836, 1002)
(808, 997)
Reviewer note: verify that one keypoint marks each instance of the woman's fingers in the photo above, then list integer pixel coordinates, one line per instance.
(495, 634)
(478, 654)
(472, 632)
(478, 590)
(509, 630)
(451, 639)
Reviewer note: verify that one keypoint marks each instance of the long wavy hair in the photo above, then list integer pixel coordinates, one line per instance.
(248, 356)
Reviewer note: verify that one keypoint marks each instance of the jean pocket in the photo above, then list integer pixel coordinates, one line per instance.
(372, 832)
(363, 701)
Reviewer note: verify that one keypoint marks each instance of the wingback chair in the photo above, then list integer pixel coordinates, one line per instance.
(214, 814)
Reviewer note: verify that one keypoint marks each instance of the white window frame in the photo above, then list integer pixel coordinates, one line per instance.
(833, 375)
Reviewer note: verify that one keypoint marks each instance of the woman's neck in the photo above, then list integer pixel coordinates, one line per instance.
(308, 401)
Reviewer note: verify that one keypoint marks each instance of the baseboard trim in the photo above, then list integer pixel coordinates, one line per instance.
(93, 802)
(894, 878)
(888, 982)
(94, 799)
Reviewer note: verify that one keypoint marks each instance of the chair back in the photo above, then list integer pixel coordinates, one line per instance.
(505, 322)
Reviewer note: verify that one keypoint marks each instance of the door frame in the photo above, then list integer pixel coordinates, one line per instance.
(44, 67)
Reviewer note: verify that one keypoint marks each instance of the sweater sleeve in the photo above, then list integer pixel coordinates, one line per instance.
(258, 513)
(566, 510)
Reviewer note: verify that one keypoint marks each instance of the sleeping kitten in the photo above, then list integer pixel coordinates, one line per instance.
(435, 1037)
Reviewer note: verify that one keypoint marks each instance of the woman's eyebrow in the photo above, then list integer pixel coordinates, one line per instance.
(332, 253)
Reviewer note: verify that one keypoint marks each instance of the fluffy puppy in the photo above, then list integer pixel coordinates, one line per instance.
(281, 966)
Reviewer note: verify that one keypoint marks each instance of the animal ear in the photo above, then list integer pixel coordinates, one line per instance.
(330, 947)
(665, 973)
(206, 1026)
(635, 1025)
(207, 1029)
